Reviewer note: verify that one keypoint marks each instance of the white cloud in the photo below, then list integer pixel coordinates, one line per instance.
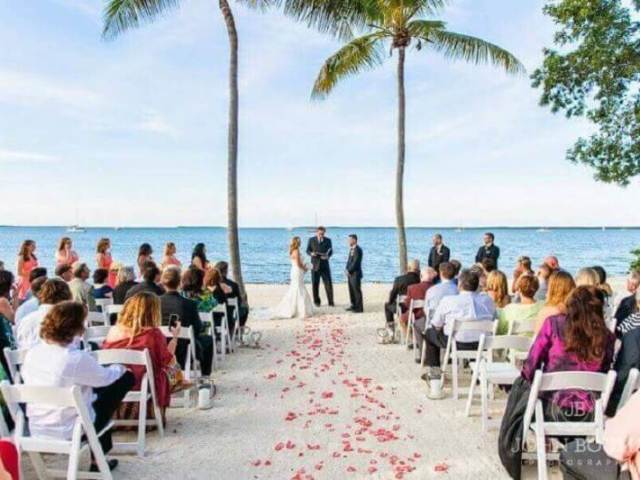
(153, 122)
(17, 156)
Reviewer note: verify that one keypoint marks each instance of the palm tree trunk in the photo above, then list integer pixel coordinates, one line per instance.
(402, 238)
(232, 153)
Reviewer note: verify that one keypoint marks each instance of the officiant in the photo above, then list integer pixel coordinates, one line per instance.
(319, 248)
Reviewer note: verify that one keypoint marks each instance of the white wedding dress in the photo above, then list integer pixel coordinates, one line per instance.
(297, 302)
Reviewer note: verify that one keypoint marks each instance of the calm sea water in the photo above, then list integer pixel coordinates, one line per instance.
(264, 250)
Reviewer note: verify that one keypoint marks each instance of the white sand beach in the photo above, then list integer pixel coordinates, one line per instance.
(321, 399)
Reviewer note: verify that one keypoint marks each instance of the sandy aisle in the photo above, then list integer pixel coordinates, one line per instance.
(320, 400)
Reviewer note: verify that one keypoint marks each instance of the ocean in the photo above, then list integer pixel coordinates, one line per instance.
(264, 250)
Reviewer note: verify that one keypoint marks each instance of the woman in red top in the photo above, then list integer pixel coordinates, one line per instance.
(104, 260)
(27, 261)
(137, 329)
(65, 254)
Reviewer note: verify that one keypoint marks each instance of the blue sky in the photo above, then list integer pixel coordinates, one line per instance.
(133, 131)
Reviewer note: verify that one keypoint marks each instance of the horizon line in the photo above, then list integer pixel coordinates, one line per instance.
(298, 227)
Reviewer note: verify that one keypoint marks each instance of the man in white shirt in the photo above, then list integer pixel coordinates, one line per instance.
(432, 299)
(53, 291)
(467, 305)
(33, 303)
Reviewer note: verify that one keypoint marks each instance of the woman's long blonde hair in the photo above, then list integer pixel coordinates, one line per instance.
(169, 249)
(140, 312)
(587, 277)
(561, 285)
(294, 244)
(498, 284)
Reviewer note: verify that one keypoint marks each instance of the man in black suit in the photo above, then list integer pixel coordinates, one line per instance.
(354, 274)
(172, 303)
(628, 305)
(320, 250)
(439, 253)
(488, 250)
(400, 285)
(243, 314)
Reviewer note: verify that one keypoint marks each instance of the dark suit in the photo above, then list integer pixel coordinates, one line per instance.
(320, 267)
(492, 251)
(437, 257)
(144, 287)
(243, 314)
(172, 303)
(400, 285)
(627, 306)
(354, 278)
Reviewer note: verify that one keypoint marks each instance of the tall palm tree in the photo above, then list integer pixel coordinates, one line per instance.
(122, 15)
(391, 25)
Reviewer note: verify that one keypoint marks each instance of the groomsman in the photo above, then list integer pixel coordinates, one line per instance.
(489, 249)
(354, 274)
(320, 250)
(439, 253)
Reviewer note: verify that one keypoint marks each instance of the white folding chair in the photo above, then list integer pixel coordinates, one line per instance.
(233, 302)
(192, 370)
(96, 334)
(413, 305)
(15, 359)
(84, 434)
(112, 310)
(632, 384)
(491, 373)
(94, 318)
(141, 397)
(458, 356)
(521, 327)
(601, 383)
(102, 304)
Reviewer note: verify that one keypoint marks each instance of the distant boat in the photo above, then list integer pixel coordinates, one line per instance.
(75, 229)
(543, 230)
(459, 230)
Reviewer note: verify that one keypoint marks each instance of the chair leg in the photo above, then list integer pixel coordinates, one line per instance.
(454, 375)
(423, 354)
(142, 418)
(474, 380)
(39, 466)
(541, 451)
(484, 408)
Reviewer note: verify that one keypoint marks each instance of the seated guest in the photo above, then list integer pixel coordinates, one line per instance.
(169, 257)
(199, 257)
(150, 280)
(215, 287)
(81, 290)
(53, 292)
(174, 305)
(64, 272)
(577, 340)
(467, 305)
(523, 267)
(587, 277)
(560, 286)
(57, 361)
(446, 287)
(125, 280)
(457, 265)
(544, 274)
(243, 314)
(417, 291)
(498, 289)
(479, 271)
(400, 285)
(629, 304)
(553, 263)
(192, 287)
(602, 281)
(101, 289)
(137, 329)
(33, 303)
(523, 314)
(628, 357)
(8, 298)
(488, 265)
(35, 273)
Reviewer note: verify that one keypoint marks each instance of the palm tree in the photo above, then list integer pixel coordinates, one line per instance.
(393, 25)
(122, 15)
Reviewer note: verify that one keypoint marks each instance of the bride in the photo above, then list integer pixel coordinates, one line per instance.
(297, 302)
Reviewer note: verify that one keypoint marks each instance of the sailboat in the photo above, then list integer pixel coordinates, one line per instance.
(76, 228)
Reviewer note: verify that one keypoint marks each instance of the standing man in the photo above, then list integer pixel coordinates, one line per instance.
(320, 250)
(488, 250)
(439, 253)
(354, 274)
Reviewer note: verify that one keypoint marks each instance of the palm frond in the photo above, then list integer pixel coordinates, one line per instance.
(122, 15)
(360, 54)
(472, 49)
(340, 18)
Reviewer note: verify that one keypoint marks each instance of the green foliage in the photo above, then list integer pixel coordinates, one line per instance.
(635, 263)
(595, 73)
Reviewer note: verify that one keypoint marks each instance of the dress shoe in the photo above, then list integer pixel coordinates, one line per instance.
(350, 309)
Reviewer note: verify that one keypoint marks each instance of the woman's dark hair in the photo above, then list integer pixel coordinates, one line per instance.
(150, 272)
(6, 280)
(602, 274)
(54, 291)
(145, 249)
(585, 333)
(63, 323)
(100, 275)
(199, 251)
(468, 281)
(192, 281)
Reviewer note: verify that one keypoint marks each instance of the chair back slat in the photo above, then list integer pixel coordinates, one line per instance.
(39, 395)
(506, 342)
(122, 356)
(590, 381)
(474, 325)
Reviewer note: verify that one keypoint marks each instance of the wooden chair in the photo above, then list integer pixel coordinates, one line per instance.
(15, 359)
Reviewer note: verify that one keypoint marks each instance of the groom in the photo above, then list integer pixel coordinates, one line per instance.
(320, 250)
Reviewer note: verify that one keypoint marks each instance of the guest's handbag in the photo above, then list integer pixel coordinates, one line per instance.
(177, 382)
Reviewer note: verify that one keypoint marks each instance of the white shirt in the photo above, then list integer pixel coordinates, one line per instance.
(52, 365)
(465, 306)
(436, 293)
(26, 308)
(28, 330)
